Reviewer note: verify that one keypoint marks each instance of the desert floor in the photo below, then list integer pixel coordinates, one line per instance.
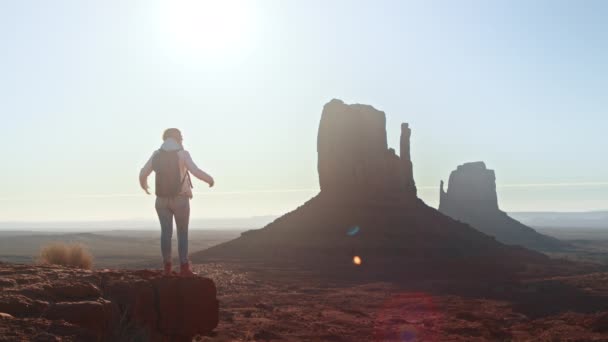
(266, 304)
(258, 303)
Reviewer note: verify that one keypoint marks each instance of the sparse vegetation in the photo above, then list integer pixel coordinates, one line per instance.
(74, 255)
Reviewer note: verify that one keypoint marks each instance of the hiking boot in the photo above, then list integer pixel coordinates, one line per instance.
(185, 271)
(168, 268)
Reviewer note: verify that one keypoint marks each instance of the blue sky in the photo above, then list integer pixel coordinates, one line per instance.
(88, 86)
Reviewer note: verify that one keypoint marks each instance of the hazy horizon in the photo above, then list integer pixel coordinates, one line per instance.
(88, 88)
(574, 221)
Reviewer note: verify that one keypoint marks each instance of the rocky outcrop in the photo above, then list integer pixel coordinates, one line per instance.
(472, 198)
(353, 155)
(71, 304)
(471, 185)
(407, 166)
(367, 207)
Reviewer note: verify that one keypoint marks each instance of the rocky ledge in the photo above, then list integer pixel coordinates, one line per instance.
(52, 303)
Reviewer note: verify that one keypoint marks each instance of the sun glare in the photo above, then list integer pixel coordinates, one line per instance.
(209, 26)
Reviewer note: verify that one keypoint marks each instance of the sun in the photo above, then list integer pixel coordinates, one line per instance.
(208, 26)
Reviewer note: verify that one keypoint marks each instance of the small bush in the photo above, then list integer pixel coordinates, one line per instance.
(74, 255)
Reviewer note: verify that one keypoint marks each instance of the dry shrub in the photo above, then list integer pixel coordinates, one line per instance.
(74, 254)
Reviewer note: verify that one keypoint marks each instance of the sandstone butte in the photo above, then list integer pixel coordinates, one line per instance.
(368, 208)
(472, 198)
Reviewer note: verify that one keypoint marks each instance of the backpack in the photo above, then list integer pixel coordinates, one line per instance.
(168, 179)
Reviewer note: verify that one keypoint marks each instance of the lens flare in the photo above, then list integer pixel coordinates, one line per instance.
(353, 231)
(357, 260)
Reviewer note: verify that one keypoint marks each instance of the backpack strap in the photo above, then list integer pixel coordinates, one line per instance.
(187, 176)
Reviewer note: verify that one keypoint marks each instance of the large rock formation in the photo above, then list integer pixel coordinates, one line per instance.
(368, 208)
(354, 158)
(53, 303)
(472, 198)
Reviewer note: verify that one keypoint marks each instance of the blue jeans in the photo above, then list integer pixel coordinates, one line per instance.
(167, 208)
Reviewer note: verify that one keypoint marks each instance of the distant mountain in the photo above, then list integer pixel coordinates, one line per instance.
(590, 219)
(152, 224)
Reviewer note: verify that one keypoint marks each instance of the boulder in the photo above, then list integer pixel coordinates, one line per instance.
(186, 306)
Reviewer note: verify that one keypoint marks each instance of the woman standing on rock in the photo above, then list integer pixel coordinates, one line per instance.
(172, 164)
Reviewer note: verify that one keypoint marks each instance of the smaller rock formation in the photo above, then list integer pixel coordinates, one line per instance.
(472, 198)
(471, 185)
(71, 304)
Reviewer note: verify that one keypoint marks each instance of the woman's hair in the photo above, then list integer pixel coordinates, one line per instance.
(172, 133)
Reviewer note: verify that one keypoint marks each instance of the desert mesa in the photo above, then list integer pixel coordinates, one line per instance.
(368, 208)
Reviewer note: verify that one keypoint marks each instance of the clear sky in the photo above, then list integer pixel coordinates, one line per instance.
(87, 87)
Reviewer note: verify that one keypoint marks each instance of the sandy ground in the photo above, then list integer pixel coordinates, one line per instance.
(269, 305)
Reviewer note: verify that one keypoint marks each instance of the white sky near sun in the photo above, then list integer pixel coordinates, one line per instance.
(88, 86)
